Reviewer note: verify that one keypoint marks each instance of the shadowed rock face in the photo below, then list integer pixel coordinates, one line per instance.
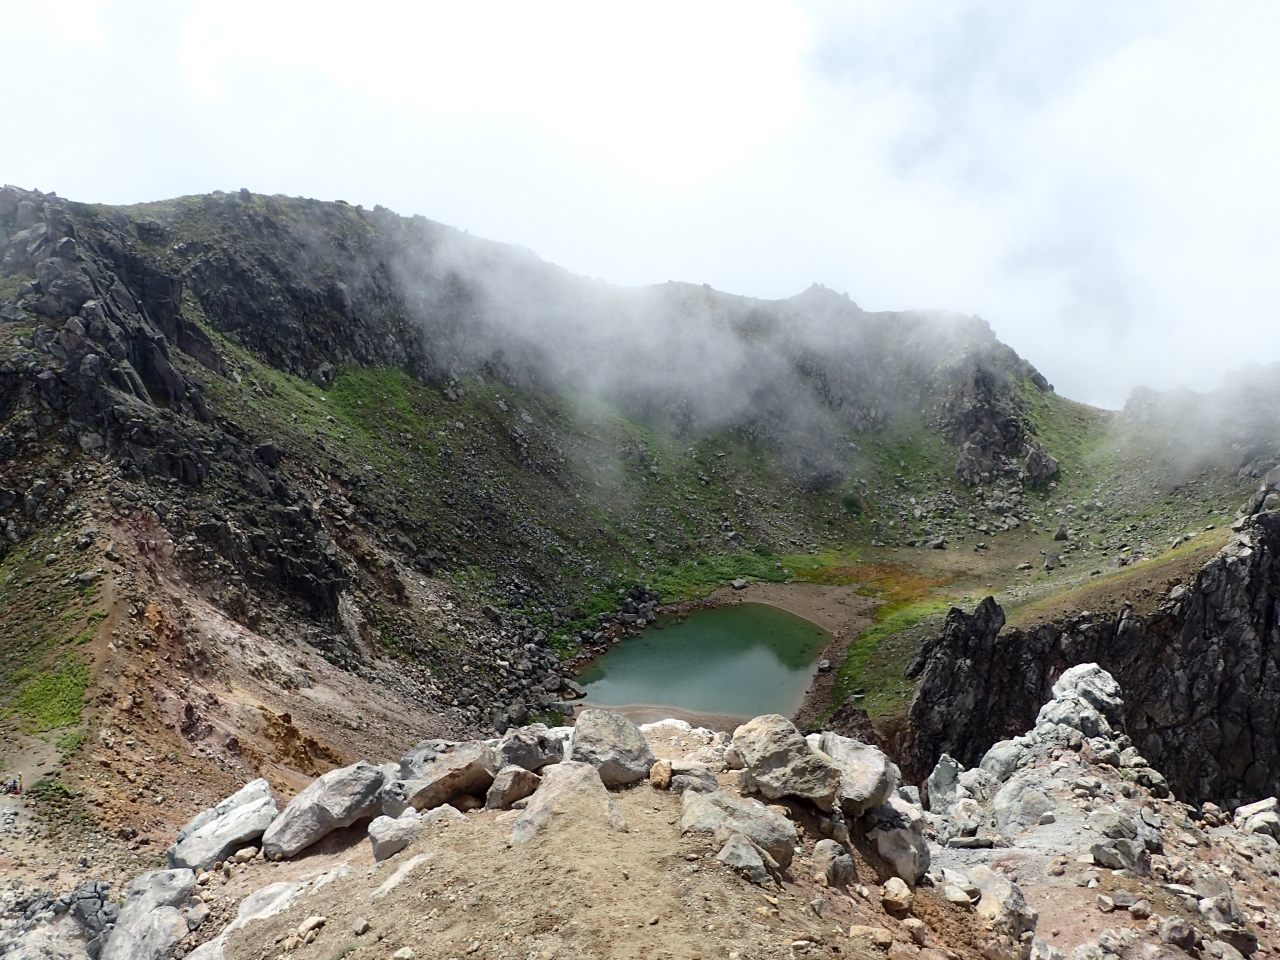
(1202, 676)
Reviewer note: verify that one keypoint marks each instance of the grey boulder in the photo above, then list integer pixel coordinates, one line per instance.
(1021, 803)
(942, 787)
(1073, 713)
(832, 865)
(1089, 682)
(530, 748)
(1003, 758)
(151, 921)
(744, 857)
(897, 830)
(779, 762)
(336, 800)
(511, 784)
(1007, 918)
(218, 832)
(388, 835)
(867, 777)
(692, 776)
(613, 745)
(570, 796)
(1247, 810)
(1267, 822)
(721, 814)
(436, 772)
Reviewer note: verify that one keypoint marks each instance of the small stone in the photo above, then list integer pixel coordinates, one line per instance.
(1140, 910)
(743, 856)
(897, 896)
(360, 927)
(953, 894)
(876, 937)
(917, 929)
(1176, 931)
(512, 784)
(660, 775)
(311, 923)
(1124, 899)
(1105, 903)
(832, 865)
(404, 953)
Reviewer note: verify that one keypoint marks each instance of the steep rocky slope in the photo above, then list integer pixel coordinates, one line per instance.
(286, 483)
(289, 367)
(1201, 671)
(390, 445)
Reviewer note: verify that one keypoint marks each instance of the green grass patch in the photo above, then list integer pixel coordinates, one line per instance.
(50, 790)
(55, 699)
(549, 717)
(874, 664)
(71, 741)
(877, 659)
(9, 285)
(1067, 428)
(698, 577)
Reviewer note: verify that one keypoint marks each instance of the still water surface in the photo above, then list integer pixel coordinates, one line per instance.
(742, 660)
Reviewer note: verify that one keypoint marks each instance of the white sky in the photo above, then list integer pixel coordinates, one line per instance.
(1099, 180)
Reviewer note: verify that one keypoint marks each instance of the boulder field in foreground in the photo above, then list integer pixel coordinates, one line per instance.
(1066, 806)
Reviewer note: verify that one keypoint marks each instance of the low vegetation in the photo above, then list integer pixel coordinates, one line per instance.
(55, 699)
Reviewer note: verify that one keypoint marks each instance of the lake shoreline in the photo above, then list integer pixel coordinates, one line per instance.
(639, 713)
(838, 610)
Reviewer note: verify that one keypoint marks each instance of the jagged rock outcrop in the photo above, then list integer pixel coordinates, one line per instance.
(983, 416)
(1202, 675)
(1071, 797)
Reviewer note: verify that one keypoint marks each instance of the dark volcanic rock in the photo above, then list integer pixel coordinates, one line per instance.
(1201, 674)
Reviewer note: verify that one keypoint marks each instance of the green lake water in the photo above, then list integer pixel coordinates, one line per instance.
(741, 660)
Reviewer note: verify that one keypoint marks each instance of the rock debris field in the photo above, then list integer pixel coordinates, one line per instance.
(612, 840)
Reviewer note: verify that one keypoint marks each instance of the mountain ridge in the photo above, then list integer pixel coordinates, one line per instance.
(282, 479)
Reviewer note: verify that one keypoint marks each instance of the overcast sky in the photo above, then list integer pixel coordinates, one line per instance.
(1099, 180)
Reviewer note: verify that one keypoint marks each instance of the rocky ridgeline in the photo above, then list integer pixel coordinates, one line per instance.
(1071, 804)
(1067, 812)
(98, 377)
(1201, 674)
(312, 287)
